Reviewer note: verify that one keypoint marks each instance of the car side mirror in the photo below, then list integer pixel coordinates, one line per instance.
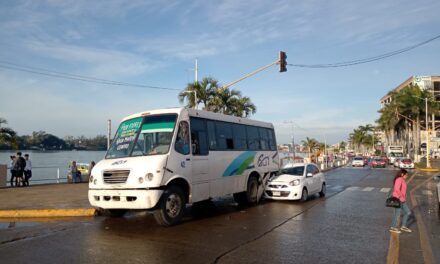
(309, 174)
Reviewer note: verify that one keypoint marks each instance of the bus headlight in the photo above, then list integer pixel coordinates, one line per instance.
(149, 176)
(294, 182)
(141, 180)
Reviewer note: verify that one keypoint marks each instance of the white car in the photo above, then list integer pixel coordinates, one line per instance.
(296, 182)
(406, 164)
(357, 162)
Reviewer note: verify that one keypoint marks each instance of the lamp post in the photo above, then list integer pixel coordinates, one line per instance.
(428, 163)
(293, 139)
(195, 97)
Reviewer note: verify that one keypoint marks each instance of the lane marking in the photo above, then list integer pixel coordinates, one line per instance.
(353, 188)
(368, 189)
(385, 190)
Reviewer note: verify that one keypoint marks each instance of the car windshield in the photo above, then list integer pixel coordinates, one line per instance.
(397, 154)
(140, 136)
(296, 171)
(358, 158)
(380, 160)
(406, 160)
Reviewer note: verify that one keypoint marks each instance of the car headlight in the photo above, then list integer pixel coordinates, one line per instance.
(294, 182)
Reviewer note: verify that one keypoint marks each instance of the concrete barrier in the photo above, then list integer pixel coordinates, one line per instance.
(3, 175)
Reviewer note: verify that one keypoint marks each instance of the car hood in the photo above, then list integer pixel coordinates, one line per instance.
(284, 178)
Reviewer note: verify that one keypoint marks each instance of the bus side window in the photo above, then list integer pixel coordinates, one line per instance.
(199, 136)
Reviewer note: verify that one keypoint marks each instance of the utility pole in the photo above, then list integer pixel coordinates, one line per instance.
(293, 139)
(109, 132)
(428, 163)
(196, 72)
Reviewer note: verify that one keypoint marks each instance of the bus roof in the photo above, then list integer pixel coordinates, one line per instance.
(202, 114)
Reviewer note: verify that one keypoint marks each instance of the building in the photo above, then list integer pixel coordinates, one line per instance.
(423, 82)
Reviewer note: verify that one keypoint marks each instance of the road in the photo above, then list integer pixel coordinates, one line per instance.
(349, 225)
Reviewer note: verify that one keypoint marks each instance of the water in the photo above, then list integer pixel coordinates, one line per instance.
(45, 164)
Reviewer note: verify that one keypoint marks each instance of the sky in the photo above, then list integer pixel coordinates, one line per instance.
(156, 42)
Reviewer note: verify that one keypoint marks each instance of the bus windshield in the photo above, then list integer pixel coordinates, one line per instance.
(150, 135)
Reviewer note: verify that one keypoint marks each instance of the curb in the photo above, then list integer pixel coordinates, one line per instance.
(73, 212)
(428, 169)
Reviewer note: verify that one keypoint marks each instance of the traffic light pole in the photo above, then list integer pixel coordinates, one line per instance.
(250, 74)
(281, 61)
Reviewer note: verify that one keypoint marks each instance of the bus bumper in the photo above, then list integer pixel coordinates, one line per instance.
(124, 199)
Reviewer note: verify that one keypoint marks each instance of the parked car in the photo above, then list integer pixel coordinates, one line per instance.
(357, 162)
(397, 163)
(296, 182)
(406, 164)
(378, 162)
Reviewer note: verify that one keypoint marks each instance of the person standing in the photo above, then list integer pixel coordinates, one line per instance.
(75, 172)
(27, 170)
(399, 191)
(12, 169)
(20, 164)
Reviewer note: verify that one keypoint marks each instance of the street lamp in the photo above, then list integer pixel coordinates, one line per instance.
(428, 163)
(293, 139)
(195, 97)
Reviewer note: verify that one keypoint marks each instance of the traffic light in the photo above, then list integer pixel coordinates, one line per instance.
(282, 61)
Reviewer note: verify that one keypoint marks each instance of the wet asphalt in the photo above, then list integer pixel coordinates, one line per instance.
(349, 225)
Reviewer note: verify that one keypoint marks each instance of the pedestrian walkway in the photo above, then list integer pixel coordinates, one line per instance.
(45, 200)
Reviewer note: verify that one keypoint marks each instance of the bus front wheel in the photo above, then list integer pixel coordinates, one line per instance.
(171, 207)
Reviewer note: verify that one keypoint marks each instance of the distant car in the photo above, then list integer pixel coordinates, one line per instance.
(397, 163)
(296, 182)
(378, 162)
(357, 162)
(406, 164)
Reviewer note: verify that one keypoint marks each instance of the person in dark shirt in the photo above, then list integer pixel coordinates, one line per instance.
(20, 164)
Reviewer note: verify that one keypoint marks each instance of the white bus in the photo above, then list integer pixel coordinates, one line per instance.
(394, 152)
(164, 159)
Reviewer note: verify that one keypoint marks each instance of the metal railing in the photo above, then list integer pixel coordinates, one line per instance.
(56, 179)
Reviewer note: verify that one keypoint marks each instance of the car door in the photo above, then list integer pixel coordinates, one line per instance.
(318, 179)
(309, 179)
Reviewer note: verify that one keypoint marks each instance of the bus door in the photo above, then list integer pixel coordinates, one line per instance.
(199, 160)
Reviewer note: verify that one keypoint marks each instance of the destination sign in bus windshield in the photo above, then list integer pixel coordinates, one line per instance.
(124, 138)
(143, 136)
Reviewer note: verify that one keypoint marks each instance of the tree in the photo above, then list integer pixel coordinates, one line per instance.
(7, 135)
(311, 144)
(204, 90)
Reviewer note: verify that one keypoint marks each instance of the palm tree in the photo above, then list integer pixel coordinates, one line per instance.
(7, 135)
(243, 107)
(203, 90)
(311, 144)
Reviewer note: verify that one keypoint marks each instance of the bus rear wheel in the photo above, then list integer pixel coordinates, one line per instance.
(249, 196)
(171, 207)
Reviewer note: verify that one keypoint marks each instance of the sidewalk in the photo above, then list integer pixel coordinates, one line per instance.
(45, 201)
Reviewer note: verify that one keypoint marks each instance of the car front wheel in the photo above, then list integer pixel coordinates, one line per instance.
(323, 190)
(304, 195)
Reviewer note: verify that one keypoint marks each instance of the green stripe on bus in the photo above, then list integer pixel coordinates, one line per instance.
(159, 126)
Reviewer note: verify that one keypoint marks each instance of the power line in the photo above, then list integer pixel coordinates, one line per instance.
(75, 77)
(366, 60)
